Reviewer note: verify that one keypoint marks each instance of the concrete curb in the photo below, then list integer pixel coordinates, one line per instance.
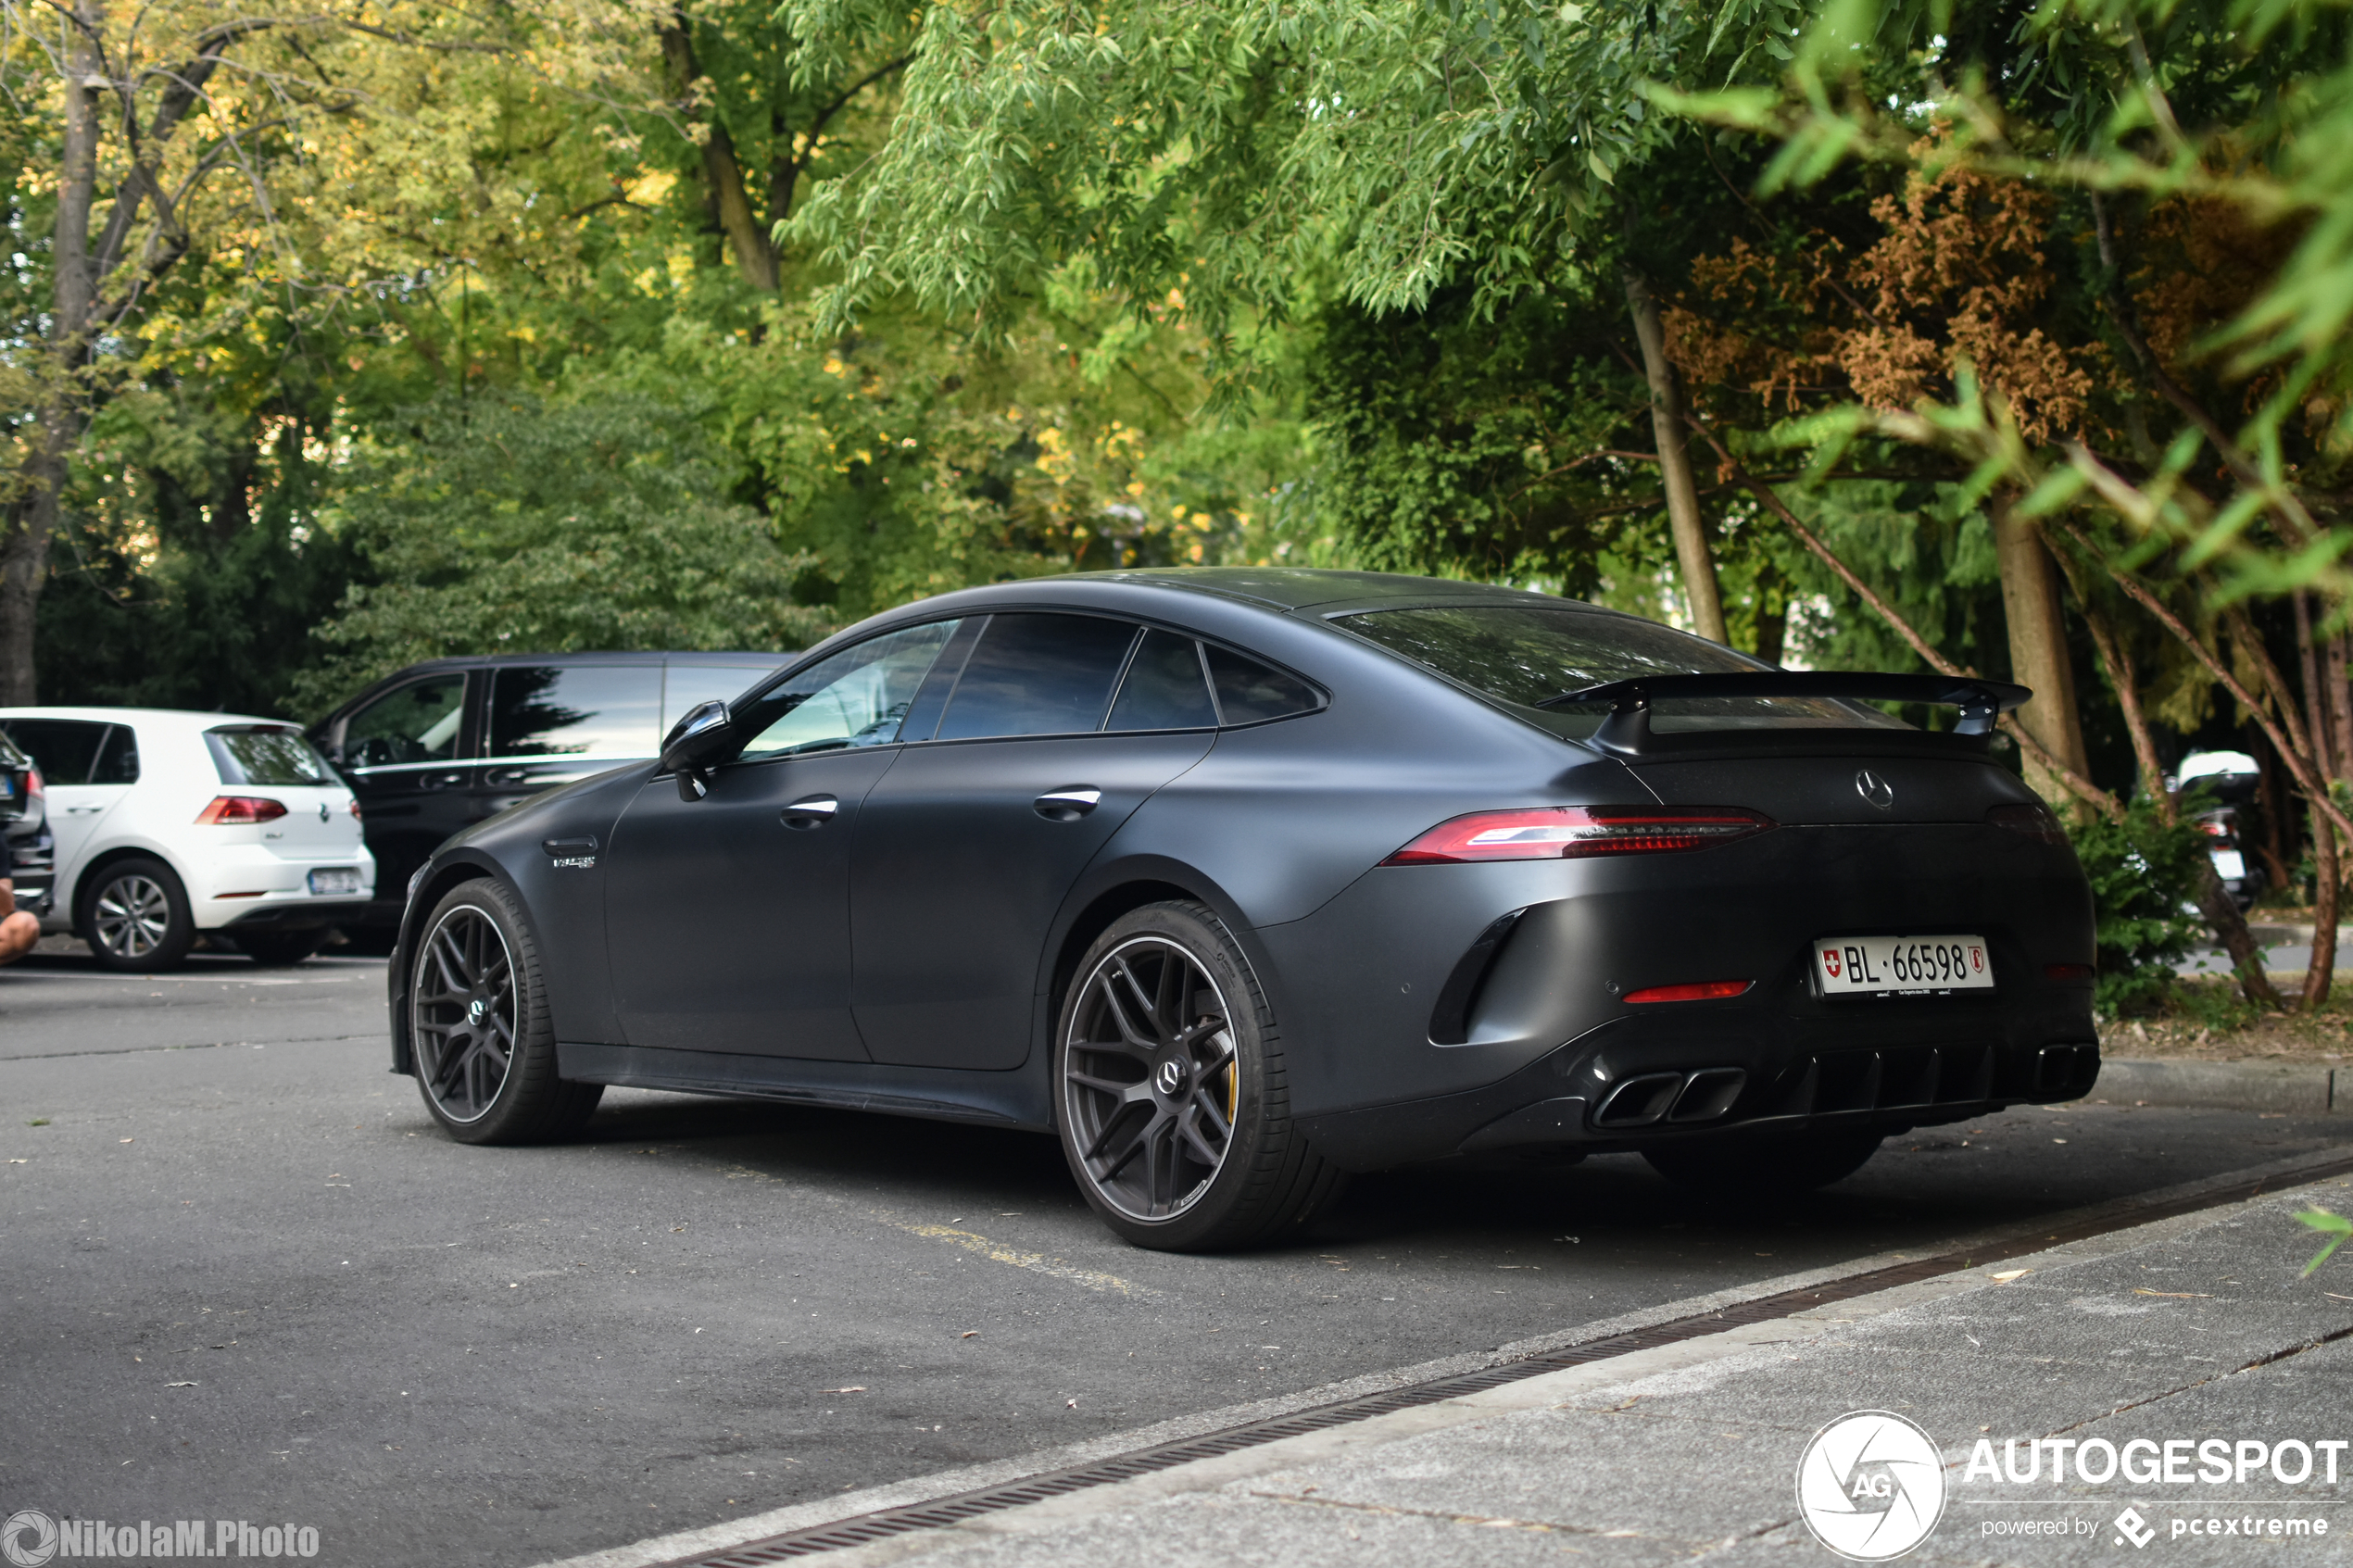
(2227, 1086)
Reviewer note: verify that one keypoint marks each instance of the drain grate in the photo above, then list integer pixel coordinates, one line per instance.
(886, 1523)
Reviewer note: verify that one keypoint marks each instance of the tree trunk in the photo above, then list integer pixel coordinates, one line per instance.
(2324, 965)
(2038, 649)
(722, 171)
(1675, 465)
(2315, 699)
(2339, 758)
(2269, 798)
(24, 551)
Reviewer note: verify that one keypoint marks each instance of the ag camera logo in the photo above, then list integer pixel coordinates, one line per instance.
(1870, 1486)
(29, 1538)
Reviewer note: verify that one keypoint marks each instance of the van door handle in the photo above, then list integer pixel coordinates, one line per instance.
(811, 811)
(1067, 805)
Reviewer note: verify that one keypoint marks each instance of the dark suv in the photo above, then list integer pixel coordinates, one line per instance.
(442, 745)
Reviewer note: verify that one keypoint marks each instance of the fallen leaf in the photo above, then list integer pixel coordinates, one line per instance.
(969, 1333)
(2014, 1273)
(2181, 1295)
(129, 1140)
(189, 1385)
(2058, 1140)
(853, 1388)
(1070, 1404)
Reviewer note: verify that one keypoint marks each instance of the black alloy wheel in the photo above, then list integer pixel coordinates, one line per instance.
(479, 1027)
(1173, 1110)
(135, 917)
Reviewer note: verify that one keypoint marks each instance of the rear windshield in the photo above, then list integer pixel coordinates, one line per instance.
(1525, 654)
(253, 754)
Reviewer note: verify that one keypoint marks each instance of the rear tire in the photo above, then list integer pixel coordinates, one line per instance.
(1170, 1094)
(480, 1028)
(134, 915)
(1777, 1166)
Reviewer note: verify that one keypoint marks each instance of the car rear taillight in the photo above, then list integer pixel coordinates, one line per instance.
(2033, 819)
(226, 810)
(33, 786)
(1569, 833)
(1699, 991)
(355, 809)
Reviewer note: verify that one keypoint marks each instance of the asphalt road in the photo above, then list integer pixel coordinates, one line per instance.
(242, 1276)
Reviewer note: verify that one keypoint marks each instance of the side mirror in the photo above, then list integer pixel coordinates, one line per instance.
(702, 734)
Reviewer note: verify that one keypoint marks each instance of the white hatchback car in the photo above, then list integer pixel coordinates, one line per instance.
(170, 823)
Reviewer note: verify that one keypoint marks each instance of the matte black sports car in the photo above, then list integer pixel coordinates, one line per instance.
(1239, 880)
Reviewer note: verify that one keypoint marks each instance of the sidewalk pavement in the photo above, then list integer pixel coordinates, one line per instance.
(2191, 1336)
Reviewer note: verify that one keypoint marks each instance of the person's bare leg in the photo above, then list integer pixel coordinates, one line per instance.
(19, 931)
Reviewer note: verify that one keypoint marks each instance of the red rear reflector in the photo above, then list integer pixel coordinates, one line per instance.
(1699, 991)
(2067, 971)
(226, 810)
(1569, 833)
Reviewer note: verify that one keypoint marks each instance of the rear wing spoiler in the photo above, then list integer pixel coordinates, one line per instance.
(1628, 730)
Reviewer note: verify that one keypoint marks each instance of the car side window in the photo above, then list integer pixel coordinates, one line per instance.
(118, 758)
(687, 686)
(856, 697)
(589, 711)
(66, 750)
(417, 722)
(1163, 688)
(1249, 692)
(1037, 674)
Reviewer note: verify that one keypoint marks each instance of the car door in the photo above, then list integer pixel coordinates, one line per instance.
(407, 759)
(550, 725)
(89, 767)
(967, 848)
(728, 918)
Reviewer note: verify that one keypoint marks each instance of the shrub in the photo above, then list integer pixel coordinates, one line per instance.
(2143, 876)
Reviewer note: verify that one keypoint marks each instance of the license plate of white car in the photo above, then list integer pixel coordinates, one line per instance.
(335, 879)
(1901, 966)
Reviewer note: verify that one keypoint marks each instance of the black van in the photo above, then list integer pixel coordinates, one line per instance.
(442, 745)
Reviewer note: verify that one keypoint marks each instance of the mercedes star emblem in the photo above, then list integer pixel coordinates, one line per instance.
(1873, 788)
(1172, 1076)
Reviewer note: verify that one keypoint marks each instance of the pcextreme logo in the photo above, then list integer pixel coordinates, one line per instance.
(1870, 1486)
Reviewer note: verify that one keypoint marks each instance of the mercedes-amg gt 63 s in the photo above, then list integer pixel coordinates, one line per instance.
(1239, 880)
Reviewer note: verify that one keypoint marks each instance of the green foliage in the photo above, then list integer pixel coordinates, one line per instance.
(517, 524)
(2335, 1227)
(2142, 872)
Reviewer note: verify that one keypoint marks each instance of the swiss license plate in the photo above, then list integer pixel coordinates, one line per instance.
(335, 879)
(1901, 966)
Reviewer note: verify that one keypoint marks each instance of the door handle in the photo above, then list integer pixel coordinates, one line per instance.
(1067, 805)
(813, 811)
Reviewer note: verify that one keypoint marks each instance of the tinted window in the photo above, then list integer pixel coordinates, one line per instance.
(118, 758)
(1526, 654)
(416, 723)
(575, 710)
(256, 754)
(856, 697)
(684, 685)
(66, 750)
(1163, 689)
(1248, 691)
(1038, 675)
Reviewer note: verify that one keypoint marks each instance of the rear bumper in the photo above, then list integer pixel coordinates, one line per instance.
(306, 916)
(1625, 1088)
(1402, 1043)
